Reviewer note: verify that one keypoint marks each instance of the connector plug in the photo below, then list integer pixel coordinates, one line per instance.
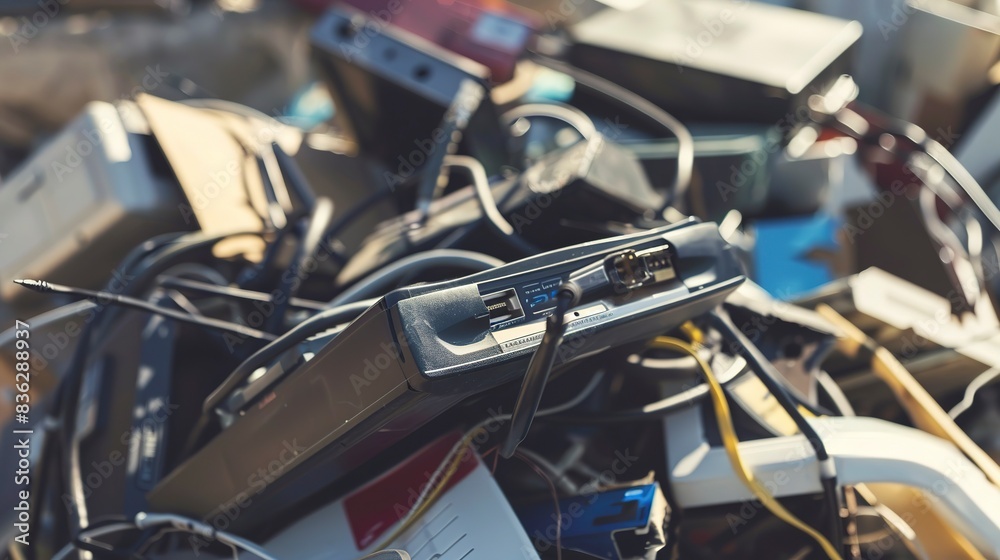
(631, 269)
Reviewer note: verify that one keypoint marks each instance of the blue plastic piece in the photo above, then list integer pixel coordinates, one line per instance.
(794, 256)
(590, 521)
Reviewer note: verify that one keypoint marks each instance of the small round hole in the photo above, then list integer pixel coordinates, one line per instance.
(792, 350)
(422, 72)
(347, 30)
(576, 313)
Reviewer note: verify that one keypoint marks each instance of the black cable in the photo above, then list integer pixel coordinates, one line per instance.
(617, 272)
(455, 120)
(294, 176)
(770, 377)
(138, 267)
(115, 299)
(652, 411)
(619, 94)
(539, 369)
(320, 322)
(293, 277)
(381, 280)
(160, 249)
(183, 284)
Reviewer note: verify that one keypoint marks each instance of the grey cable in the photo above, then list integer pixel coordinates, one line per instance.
(481, 185)
(87, 535)
(178, 522)
(381, 280)
(186, 524)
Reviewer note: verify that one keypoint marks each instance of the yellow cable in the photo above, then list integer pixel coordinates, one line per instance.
(731, 443)
(923, 409)
(434, 494)
(693, 333)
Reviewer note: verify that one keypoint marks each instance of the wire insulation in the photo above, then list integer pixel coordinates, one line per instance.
(730, 441)
(481, 186)
(383, 279)
(619, 94)
(981, 380)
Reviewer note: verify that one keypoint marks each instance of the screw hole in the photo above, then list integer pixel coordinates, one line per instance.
(422, 72)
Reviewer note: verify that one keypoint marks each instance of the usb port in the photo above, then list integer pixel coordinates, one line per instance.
(503, 306)
(631, 269)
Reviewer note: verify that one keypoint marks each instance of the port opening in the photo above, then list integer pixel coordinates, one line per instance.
(503, 306)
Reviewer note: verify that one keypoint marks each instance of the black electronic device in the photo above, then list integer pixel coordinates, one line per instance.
(422, 349)
(402, 98)
(569, 196)
(718, 60)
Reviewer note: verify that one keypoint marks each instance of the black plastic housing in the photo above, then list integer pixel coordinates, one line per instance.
(419, 351)
(392, 90)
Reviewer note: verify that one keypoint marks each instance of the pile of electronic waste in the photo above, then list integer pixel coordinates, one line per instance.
(561, 281)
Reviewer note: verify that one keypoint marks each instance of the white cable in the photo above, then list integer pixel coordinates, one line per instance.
(970, 392)
(569, 115)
